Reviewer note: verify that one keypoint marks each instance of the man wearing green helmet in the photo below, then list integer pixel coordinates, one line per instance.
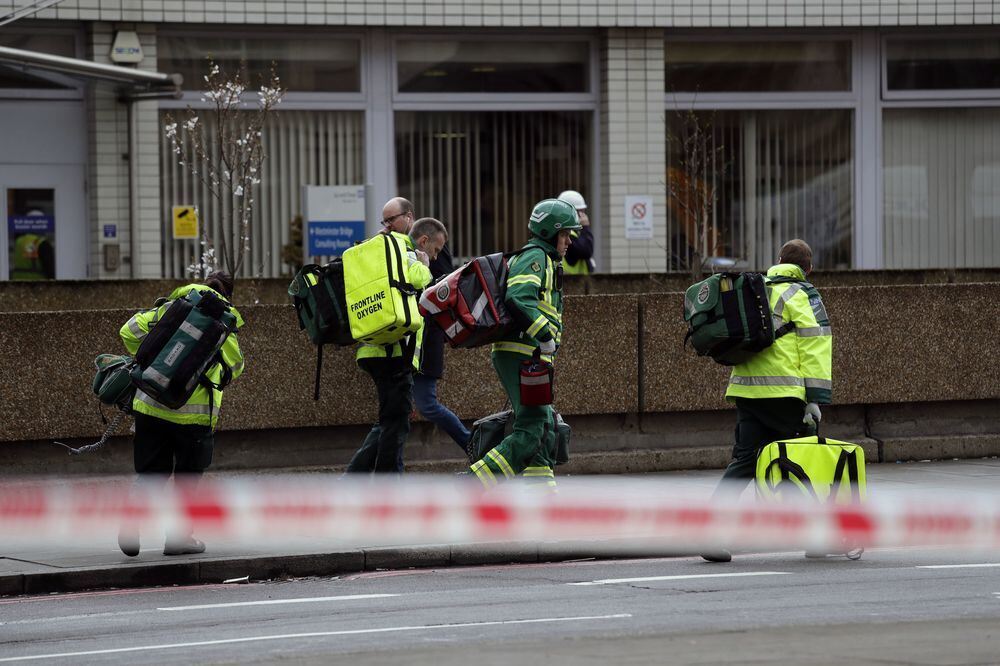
(534, 299)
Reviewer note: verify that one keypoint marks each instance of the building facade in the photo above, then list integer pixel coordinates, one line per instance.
(694, 129)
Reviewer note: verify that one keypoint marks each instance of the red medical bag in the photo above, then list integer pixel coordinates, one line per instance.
(537, 382)
(468, 304)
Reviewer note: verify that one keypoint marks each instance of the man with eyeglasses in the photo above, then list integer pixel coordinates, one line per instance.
(391, 366)
(397, 215)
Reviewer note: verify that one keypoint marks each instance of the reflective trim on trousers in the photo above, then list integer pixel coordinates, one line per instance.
(483, 472)
(538, 471)
(501, 462)
(766, 381)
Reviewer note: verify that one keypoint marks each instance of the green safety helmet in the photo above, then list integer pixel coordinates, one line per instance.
(551, 216)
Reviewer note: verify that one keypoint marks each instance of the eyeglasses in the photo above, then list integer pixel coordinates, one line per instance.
(387, 221)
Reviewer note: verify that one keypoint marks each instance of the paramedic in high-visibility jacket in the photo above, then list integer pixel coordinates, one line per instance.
(178, 441)
(391, 366)
(779, 390)
(534, 298)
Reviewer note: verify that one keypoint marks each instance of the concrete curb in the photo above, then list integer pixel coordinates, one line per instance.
(208, 570)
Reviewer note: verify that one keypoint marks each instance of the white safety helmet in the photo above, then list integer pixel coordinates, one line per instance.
(574, 199)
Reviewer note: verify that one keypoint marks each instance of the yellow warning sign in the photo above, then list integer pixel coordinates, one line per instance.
(185, 222)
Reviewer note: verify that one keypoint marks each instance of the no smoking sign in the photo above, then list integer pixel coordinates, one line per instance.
(638, 218)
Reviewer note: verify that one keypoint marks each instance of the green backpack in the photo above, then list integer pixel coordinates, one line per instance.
(113, 384)
(729, 317)
(318, 295)
(173, 358)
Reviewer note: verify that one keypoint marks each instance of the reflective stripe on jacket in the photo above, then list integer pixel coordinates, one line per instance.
(534, 297)
(799, 364)
(196, 410)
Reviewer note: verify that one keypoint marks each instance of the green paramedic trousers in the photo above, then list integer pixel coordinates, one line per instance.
(530, 449)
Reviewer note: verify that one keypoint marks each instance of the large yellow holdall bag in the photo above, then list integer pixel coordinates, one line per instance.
(817, 468)
(813, 469)
(381, 302)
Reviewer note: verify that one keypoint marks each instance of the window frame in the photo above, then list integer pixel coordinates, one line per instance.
(767, 100)
(931, 97)
(293, 100)
(791, 101)
(488, 101)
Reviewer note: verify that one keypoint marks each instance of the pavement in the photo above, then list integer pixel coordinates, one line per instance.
(67, 567)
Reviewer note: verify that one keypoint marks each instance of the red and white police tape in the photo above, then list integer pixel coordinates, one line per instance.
(643, 514)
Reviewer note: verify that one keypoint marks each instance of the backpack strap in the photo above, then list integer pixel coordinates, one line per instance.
(788, 469)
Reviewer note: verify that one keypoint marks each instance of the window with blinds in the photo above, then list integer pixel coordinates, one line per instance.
(941, 187)
(775, 175)
(481, 172)
(301, 148)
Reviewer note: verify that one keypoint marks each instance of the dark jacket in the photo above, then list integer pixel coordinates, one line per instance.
(432, 349)
(582, 247)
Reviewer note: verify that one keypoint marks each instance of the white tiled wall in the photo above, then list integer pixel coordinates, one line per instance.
(532, 13)
(108, 172)
(633, 144)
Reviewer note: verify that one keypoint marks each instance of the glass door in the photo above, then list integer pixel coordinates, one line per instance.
(44, 231)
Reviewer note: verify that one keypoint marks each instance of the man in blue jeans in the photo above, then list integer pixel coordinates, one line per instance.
(431, 236)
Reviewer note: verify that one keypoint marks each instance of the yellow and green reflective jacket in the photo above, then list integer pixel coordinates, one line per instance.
(196, 410)
(416, 274)
(535, 299)
(799, 364)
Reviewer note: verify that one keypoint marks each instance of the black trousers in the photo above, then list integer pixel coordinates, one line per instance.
(382, 450)
(161, 447)
(760, 421)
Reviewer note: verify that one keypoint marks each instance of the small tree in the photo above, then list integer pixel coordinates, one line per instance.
(230, 164)
(692, 185)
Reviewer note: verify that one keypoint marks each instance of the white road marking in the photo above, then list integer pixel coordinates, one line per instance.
(984, 565)
(615, 581)
(316, 634)
(273, 602)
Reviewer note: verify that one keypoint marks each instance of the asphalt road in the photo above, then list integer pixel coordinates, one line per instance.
(891, 607)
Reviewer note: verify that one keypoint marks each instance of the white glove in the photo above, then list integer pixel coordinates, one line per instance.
(813, 415)
(548, 347)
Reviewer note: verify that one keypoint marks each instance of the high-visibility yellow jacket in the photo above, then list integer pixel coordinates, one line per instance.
(799, 364)
(196, 410)
(416, 274)
(534, 296)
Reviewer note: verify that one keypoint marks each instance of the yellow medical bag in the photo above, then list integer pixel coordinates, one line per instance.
(381, 302)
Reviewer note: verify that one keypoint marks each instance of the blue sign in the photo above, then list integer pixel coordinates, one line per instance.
(332, 238)
(31, 224)
(110, 230)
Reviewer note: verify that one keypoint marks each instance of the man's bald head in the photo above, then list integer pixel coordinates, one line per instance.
(397, 215)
